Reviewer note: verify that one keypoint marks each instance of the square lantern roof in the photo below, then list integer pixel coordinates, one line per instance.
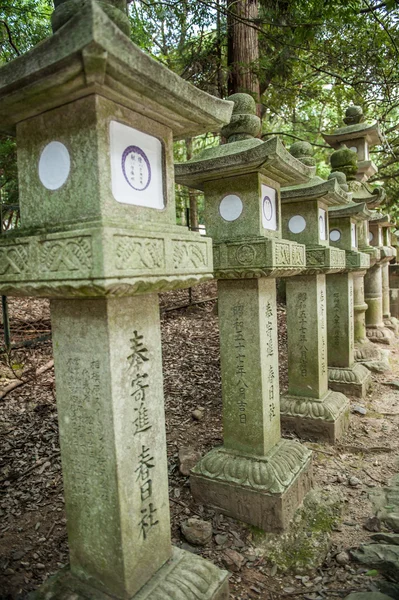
(91, 55)
(353, 210)
(368, 131)
(240, 158)
(317, 188)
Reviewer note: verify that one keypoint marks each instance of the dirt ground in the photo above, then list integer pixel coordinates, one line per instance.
(33, 540)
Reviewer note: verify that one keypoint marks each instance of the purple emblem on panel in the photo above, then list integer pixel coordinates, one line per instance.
(136, 168)
(267, 208)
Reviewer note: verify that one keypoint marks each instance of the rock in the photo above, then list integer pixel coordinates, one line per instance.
(190, 548)
(342, 558)
(233, 560)
(196, 531)
(341, 478)
(388, 538)
(354, 481)
(198, 414)
(377, 366)
(394, 384)
(384, 558)
(359, 409)
(188, 458)
(367, 596)
(372, 524)
(386, 504)
(221, 539)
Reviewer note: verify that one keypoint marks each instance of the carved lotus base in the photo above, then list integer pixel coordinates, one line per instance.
(185, 575)
(392, 324)
(264, 491)
(380, 335)
(324, 419)
(353, 381)
(366, 352)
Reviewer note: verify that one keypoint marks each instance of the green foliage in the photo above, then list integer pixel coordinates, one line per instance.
(316, 58)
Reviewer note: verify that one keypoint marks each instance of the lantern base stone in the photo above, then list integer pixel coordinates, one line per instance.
(184, 575)
(392, 324)
(353, 381)
(325, 419)
(264, 491)
(379, 334)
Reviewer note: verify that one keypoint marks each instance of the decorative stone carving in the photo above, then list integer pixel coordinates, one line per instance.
(271, 473)
(136, 253)
(353, 380)
(185, 577)
(325, 418)
(188, 254)
(14, 259)
(66, 255)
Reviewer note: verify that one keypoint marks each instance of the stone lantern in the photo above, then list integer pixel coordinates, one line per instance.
(394, 277)
(378, 315)
(345, 161)
(310, 408)
(359, 136)
(345, 374)
(256, 476)
(94, 119)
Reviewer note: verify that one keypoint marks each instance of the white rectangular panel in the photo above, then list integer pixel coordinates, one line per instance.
(353, 235)
(269, 208)
(322, 224)
(136, 167)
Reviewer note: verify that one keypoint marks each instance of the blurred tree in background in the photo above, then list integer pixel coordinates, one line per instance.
(304, 61)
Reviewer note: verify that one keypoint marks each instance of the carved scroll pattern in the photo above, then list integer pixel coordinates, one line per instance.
(66, 255)
(136, 253)
(14, 259)
(189, 254)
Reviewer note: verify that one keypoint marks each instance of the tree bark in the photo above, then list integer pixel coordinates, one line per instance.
(242, 47)
(194, 223)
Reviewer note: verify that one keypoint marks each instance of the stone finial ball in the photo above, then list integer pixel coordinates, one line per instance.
(303, 151)
(353, 115)
(345, 161)
(244, 122)
(244, 104)
(341, 179)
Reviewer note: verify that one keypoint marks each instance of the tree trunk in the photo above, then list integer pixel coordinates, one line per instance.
(194, 224)
(242, 47)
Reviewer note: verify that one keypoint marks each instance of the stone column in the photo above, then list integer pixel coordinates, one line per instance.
(249, 364)
(344, 374)
(376, 329)
(256, 476)
(310, 408)
(95, 119)
(394, 290)
(108, 366)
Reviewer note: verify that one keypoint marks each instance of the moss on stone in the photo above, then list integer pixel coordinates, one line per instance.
(305, 545)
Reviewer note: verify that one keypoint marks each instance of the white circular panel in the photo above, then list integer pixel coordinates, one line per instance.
(296, 224)
(371, 236)
(353, 148)
(335, 235)
(230, 207)
(54, 165)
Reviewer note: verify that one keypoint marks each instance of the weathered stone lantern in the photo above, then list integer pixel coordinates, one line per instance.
(344, 373)
(359, 136)
(345, 161)
(94, 119)
(256, 476)
(380, 325)
(394, 277)
(310, 408)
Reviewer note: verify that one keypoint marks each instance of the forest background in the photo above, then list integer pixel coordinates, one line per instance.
(304, 61)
